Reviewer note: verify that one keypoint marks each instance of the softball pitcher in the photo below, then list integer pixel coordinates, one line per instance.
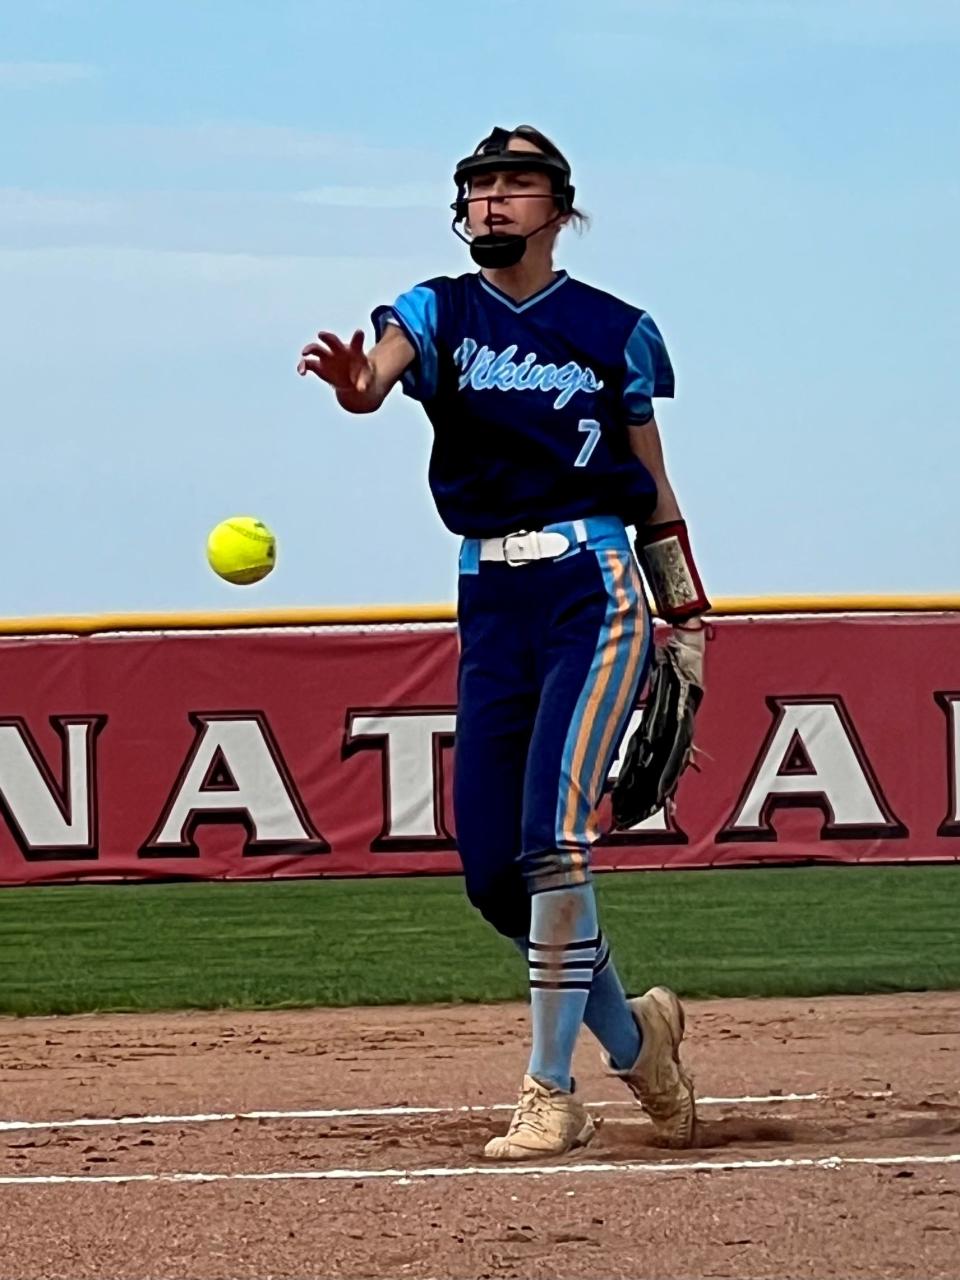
(539, 389)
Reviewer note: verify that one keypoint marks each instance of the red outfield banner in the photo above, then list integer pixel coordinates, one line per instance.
(298, 752)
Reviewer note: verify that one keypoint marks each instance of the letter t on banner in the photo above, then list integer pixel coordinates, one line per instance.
(412, 778)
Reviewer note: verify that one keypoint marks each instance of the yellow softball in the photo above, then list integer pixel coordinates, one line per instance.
(241, 550)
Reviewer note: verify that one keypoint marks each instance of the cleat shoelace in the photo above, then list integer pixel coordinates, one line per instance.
(529, 1114)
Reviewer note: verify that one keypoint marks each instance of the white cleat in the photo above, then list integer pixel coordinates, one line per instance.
(547, 1122)
(657, 1079)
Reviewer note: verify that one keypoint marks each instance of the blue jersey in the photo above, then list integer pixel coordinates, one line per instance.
(530, 401)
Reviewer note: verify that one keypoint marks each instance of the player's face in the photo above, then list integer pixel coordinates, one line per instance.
(510, 202)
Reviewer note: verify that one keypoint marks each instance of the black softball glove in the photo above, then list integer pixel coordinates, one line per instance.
(662, 745)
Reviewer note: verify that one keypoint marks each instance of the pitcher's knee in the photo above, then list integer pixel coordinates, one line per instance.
(504, 903)
(554, 868)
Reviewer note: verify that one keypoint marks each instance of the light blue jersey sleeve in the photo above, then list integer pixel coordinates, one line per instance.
(649, 371)
(416, 313)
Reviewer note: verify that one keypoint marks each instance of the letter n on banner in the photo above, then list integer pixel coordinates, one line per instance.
(950, 702)
(234, 774)
(51, 820)
(812, 758)
(412, 744)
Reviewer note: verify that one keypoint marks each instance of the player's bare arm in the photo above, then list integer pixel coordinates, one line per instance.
(361, 381)
(647, 446)
(663, 549)
(676, 686)
(663, 542)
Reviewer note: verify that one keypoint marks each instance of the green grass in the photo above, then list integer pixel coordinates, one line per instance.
(782, 931)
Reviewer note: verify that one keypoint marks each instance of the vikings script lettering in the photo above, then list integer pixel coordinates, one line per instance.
(484, 370)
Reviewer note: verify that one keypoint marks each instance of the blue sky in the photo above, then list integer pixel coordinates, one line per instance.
(189, 190)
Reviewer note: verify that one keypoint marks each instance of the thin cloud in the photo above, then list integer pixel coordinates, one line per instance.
(407, 195)
(250, 140)
(219, 222)
(39, 210)
(33, 75)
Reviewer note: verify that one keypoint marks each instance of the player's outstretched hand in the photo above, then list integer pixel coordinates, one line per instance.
(345, 368)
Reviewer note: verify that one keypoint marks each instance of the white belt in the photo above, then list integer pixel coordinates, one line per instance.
(523, 547)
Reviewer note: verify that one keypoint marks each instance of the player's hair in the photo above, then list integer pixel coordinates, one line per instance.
(579, 219)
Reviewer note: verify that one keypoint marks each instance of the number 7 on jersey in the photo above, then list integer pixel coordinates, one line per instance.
(592, 428)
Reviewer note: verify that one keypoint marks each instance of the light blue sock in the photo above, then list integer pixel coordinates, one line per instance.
(564, 937)
(607, 1013)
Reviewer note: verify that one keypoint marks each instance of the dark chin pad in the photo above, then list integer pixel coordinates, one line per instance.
(497, 251)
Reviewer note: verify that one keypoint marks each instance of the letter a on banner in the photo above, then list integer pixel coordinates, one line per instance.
(51, 820)
(234, 774)
(812, 758)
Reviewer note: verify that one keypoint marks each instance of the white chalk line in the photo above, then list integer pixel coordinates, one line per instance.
(404, 1177)
(347, 1113)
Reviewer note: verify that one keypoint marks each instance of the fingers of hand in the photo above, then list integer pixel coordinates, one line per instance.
(333, 342)
(687, 639)
(689, 655)
(340, 365)
(362, 368)
(312, 358)
(314, 364)
(328, 358)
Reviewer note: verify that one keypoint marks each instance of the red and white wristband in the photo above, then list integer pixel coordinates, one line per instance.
(668, 566)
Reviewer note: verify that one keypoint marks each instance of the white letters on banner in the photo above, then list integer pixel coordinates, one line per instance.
(235, 773)
(51, 820)
(412, 743)
(951, 705)
(812, 758)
